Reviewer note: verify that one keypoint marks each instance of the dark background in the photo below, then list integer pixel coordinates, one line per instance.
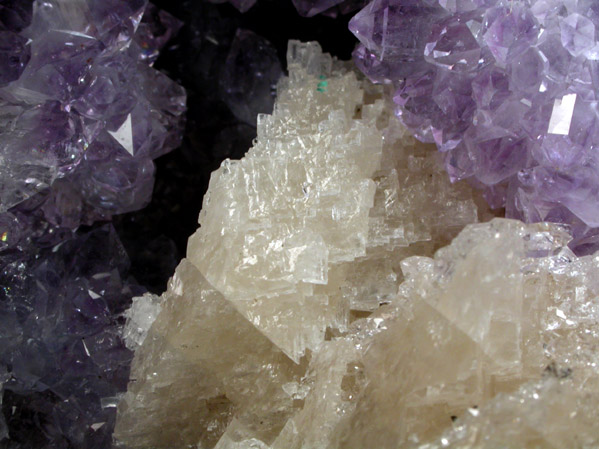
(155, 237)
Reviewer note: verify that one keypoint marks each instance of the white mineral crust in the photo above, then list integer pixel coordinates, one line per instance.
(140, 317)
(283, 327)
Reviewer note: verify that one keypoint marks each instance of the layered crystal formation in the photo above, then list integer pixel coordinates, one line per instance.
(297, 240)
(507, 91)
(489, 344)
(84, 113)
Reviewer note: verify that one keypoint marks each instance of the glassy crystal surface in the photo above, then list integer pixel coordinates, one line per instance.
(250, 72)
(83, 112)
(296, 240)
(62, 358)
(478, 348)
(506, 89)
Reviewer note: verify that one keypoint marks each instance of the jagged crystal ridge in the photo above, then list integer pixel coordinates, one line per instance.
(297, 240)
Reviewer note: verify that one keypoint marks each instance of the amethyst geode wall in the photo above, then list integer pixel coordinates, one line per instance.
(62, 360)
(508, 92)
(83, 111)
(82, 115)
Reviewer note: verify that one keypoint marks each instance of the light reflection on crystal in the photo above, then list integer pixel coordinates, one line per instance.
(561, 116)
(463, 69)
(305, 231)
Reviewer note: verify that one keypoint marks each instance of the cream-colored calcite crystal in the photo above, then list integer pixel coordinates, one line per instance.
(258, 341)
(332, 182)
(490, 344)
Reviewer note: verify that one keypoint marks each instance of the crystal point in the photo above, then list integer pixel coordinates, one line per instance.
(69, 87)
(298, 238)
(495, 85)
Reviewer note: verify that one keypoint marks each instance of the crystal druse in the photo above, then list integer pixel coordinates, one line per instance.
(507, 89)
(300, 242)
(62, 358)
(83, 113)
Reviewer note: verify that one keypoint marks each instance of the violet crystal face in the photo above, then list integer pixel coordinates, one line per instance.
(62, 359)
(82, 116)
(83, 111)
(508, 92)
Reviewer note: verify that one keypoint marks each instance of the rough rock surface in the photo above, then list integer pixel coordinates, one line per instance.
(298, 239)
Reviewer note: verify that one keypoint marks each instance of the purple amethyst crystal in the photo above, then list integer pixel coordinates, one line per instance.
(83, 112)
(506, 89)
(62, 361)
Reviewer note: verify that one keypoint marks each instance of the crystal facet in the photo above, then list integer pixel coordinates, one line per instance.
(297, 239)
(81, 104)
(505, 89)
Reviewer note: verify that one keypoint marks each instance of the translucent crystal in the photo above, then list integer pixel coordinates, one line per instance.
(296, 240)
(493, 83)
(200, 364)
(140, 316)
(491, 343)
(81, 104)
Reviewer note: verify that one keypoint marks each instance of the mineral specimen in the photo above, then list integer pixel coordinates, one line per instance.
(491, 343)
(506, 89)
(62, 359)
(298, 239)
(83, 113)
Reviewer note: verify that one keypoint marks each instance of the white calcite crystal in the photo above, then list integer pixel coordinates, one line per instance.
(140, 316)
(255, 345)
(490, 344)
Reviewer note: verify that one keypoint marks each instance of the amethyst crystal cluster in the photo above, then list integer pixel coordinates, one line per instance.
(507, 90)
(83, 111)
(82, 115)
(62, 361)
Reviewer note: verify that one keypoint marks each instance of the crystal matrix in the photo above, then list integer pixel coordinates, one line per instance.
(490, 344)
(297, 240)
(507, 91)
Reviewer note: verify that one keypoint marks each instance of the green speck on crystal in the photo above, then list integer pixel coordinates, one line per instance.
(322, 85)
